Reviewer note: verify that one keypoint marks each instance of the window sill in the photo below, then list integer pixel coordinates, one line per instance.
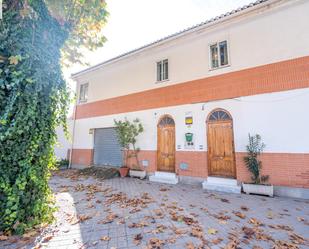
(162, 81)
(216, 68)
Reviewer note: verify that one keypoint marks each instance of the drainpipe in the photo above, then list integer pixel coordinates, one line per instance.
(73, 132)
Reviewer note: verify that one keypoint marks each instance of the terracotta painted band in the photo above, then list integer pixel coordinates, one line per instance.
(275, 77)
(284, 169)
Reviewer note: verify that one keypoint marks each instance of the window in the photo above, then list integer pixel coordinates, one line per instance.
(219, 54)
(83, 92)
(162, 70)
(219, 115)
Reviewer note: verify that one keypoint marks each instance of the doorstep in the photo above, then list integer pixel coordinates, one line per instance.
(222, 184)
(164, 177)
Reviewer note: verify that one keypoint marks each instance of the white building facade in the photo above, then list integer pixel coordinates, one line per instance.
(200, 92)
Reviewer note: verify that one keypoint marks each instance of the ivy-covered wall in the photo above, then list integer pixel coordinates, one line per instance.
(33, 102)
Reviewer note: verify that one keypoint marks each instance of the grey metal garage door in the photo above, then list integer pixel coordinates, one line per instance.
(107, 150)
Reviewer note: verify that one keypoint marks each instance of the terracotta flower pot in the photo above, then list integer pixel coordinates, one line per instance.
(123, 171)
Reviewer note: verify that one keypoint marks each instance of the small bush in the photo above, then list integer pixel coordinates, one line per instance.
(128, 132)
(254, 149)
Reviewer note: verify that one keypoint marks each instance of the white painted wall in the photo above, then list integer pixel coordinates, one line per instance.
(63, 144)
(261, 37)
(280, 118)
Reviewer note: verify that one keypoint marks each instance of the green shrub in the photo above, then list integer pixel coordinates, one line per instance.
(254, 165)
(128, 132)
(34, 98)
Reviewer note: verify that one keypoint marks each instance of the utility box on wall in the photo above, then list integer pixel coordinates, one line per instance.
(189, 140)
(188, 119)
(189, 136)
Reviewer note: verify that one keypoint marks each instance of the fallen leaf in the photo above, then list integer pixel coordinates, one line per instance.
(179, 231)
(255, 222)
(212, 231)
(105, 238)
(155, 243)
(47, 238)
(221, 216)
(217, 241)
(300, 219)
(3, 237)
(171, 240)
(244, 208)
(233, 244)
(225, 200)
(83, 217)
(281, 227)
(197, 231)
(190, 245)
(281, 244)
(239, 214)
(297, 239)
(270, 215)
(137, 239)
(249, 232)
(189, 221)
(138, 225)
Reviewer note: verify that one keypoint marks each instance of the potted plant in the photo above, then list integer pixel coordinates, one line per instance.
(123, 170)
(127, 135)
(254, 165)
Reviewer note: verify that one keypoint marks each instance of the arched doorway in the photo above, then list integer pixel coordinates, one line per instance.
(166, 144)
(220, 140)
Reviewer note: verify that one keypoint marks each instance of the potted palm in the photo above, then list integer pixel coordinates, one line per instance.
(127, 135)
(259, 182)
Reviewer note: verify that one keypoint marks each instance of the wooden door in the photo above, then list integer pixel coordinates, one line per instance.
(221, 156)
(166, 145)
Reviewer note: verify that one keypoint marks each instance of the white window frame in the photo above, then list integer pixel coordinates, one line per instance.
(85, 95)
(162, 73)
(219, 57)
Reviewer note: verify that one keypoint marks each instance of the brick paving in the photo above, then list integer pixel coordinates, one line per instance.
(133, 213)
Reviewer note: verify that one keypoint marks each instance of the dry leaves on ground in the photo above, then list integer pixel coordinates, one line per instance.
(281, 227)
(109, 218)
(137, 239)
(190, 245)
(244, 208)
(217, 241)
(138, 225)
(239, 214)
(197, 231)
(297, 239)
(159, 229)
(3, 237)
(233, 241)
(105, 238)
(281, 244)
(221, 216)
(155, 243)
(225, 200)
(255, 222)
(212, 231)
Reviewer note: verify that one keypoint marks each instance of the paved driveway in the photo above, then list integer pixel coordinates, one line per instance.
(132, 213)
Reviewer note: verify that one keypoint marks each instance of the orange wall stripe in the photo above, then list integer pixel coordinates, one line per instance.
(275, 77)
(284, 169)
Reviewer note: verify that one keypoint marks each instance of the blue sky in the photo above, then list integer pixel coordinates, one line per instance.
(133, 23)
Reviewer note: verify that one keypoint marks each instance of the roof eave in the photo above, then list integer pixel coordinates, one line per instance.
(209, 23)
